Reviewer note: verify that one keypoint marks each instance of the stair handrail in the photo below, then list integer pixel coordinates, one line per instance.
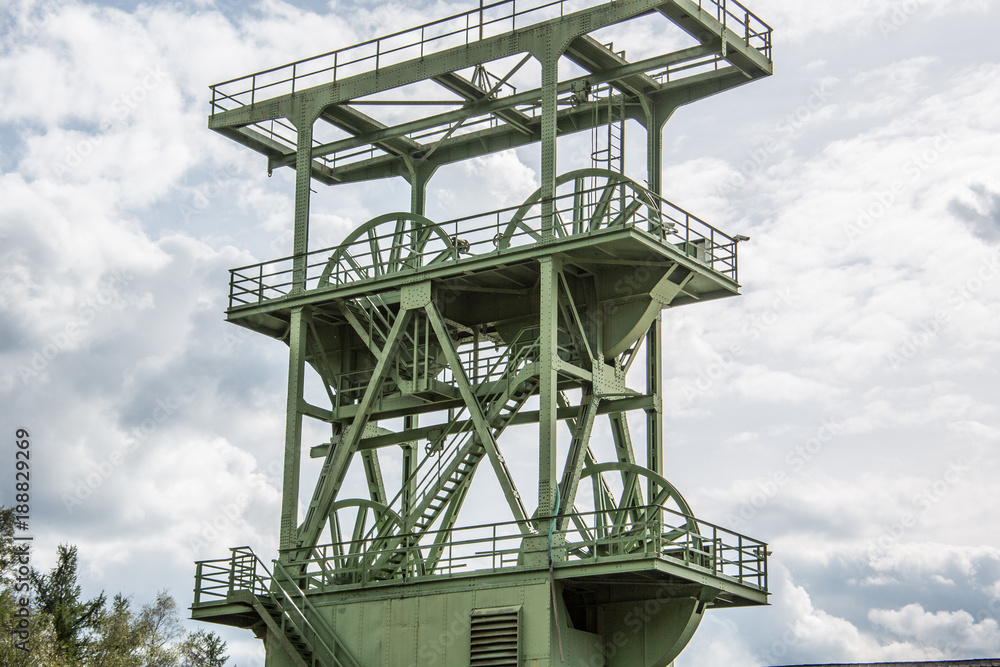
(260, 583)
(457, 443)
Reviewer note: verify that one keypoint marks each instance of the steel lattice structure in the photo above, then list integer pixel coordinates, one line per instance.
(435, 340)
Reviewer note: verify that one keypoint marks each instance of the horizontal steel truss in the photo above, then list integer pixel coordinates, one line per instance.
(386, 438)
(725, 59)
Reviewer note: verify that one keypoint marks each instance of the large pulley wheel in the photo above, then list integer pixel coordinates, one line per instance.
(586, 200)
(634, 505)
(354, 523)
(388, 244)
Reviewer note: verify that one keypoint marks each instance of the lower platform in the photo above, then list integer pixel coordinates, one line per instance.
(619, 601)
(622, 619)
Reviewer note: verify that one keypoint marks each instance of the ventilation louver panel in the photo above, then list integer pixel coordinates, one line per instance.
(496, 638)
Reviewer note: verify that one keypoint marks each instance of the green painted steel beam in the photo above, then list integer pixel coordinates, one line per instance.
(502, 105)
(569, 121)
(482, 427)
(293, 426)
(572, 412)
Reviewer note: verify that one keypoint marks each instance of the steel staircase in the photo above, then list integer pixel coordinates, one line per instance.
(286, 611)
(372, 319)
(444, 490)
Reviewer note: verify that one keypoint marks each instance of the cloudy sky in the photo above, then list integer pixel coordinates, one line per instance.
(844, 409)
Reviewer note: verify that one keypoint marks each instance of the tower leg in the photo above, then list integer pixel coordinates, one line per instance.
(656, 117)
(293, 429)
(547, 396)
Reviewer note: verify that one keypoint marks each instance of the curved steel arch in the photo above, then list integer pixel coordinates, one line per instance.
(396, 242)
(640, 197)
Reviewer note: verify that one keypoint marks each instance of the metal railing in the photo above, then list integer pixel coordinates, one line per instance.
(243, 572)
(219, 580)
(487, 234)
(584, 538)
(741, 22)
(456, 30)
(419, 41)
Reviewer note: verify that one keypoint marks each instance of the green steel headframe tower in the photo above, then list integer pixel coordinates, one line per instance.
(447, 349)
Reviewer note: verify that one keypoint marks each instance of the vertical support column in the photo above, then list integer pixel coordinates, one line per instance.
(420, 174)
(655, 119)
(293, 428)
(547, 389)
(303, 121)
(409, 482)
(550, 109)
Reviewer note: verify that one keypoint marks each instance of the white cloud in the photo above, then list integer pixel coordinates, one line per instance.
(948, 630)
(856, 19)
(110, 171)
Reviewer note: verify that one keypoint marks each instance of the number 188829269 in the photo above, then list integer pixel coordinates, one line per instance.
(22, 478)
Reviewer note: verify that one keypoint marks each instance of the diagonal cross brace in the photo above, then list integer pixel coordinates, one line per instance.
(335, 466)
(578, 449)
(482, 427)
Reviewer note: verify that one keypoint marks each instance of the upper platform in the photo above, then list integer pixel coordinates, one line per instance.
(462, 86)
(602, 220)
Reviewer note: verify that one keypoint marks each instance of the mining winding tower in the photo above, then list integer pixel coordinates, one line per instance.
(491, 490)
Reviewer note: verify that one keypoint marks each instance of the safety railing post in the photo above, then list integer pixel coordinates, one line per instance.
(232, 573)
(198, 569)
(260, 283)
(739, 566)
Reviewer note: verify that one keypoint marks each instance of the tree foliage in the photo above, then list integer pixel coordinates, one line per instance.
(67, 631)
(57, 594)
